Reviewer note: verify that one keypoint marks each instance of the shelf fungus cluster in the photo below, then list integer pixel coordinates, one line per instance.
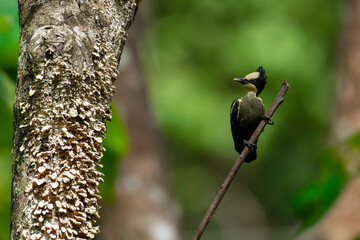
(62, 129)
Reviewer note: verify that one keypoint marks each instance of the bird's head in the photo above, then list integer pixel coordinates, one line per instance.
(254, 81)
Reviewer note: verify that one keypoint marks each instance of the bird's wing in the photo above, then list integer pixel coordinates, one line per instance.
(237, 133)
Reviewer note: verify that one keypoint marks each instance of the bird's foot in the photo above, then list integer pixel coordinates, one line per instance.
(252, 146)
(269, 121)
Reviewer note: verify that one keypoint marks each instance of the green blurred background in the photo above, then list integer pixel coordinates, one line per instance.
(191, 50)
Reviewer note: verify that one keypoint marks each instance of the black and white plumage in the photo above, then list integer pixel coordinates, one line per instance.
(247, 111)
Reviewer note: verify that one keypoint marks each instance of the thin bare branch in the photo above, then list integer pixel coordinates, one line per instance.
(231, 175)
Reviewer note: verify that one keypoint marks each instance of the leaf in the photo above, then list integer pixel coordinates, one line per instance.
(355, 141)
(312, 202)
(116, 145)
(7, 89)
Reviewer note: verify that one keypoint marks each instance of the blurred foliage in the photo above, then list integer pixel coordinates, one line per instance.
(312, 202)
(5, 167)
(9, 48)
(9, 37)
(193, 50)
(354, 142)
(7, 89)
(116, 145)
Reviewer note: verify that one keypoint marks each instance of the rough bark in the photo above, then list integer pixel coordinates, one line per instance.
(69, 54)
(143, 207)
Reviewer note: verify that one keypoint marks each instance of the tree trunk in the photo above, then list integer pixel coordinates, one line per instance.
(342, 220)
(346, 121)
(69, 53)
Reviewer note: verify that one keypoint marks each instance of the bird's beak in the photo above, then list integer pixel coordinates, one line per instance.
(241, 80)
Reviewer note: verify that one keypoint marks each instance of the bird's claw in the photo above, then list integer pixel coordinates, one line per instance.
(269, 121)
(252, 146)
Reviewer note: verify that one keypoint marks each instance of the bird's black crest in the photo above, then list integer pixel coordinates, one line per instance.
(261, 70)
(260, 81)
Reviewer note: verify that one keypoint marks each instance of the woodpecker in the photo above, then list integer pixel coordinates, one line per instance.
(246, 112)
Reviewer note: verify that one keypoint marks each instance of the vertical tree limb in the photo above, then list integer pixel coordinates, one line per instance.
(342, 220)
(69, 54)
(346, 119)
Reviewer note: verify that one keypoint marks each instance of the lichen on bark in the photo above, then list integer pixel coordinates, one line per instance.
(69, 54)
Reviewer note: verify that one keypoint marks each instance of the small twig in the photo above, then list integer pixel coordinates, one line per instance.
(224, 187)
